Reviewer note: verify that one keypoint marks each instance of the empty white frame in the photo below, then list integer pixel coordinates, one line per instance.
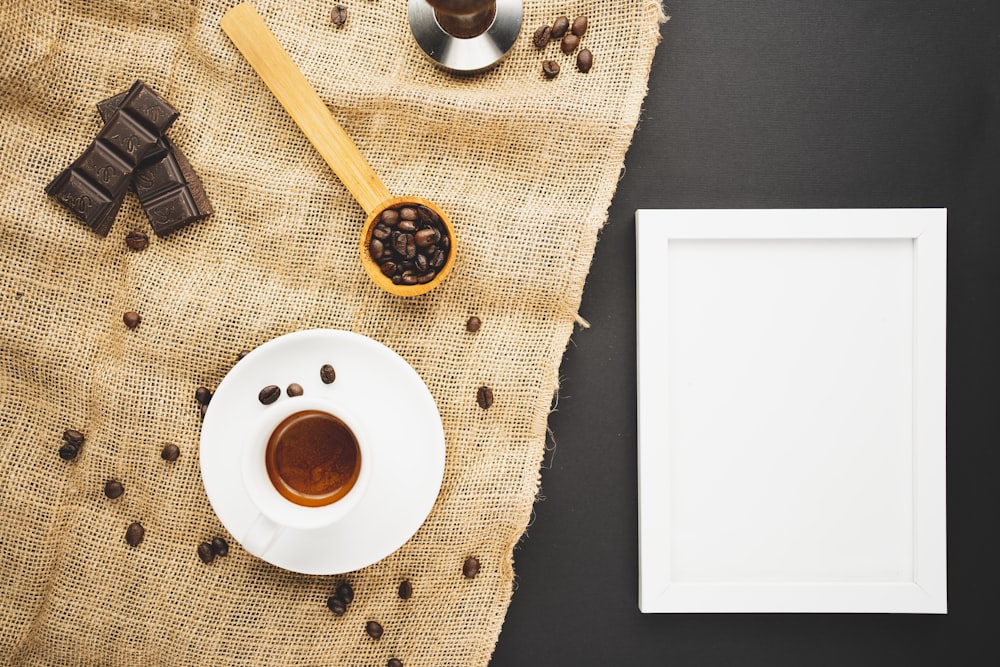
(791, 383)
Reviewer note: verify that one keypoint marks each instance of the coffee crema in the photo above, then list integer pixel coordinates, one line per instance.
(312, 458)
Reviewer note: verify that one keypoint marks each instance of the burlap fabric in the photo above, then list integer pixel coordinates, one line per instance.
(525, 166)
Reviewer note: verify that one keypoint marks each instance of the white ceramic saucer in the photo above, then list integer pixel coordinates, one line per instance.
(400, 418)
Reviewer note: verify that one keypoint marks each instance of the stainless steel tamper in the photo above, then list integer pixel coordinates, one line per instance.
(465, 36)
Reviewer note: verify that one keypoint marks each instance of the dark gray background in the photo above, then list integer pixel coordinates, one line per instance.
(780, 104)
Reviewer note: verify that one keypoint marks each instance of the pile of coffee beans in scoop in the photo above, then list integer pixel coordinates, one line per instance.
(410, 244)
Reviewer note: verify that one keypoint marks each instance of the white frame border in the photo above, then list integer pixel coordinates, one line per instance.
(927, 593)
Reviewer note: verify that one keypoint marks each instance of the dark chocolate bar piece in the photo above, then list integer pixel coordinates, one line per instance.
(93, 187)
(170, 191)
(107, 108)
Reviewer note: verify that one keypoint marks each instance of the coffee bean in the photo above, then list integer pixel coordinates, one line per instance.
(381, 232)
(131, 319)
(407, 226)
(68, 451)
(294, 389)
(345, 592)
(327, 374)
(205, 553)
(437, 261)
(408, 213)
(427, 237)
(428, 215)
(408, 278)
(203, 395)
(484, 396)
(470, 568)
(220, 546)
(569, 43)
(445, 242)
(375, 248)
(134, 534)
(393, 662)
(472, 324)
(542, 37)
(269, 394)
(550, 68)
(390, 217)
(241, 354)
(339, 16)
(404, 245)
(559, 27)
(425, 278)
(170, 452)
(420, 263)
(336, 605)
(374, 629)
(388, 268)
(136, 241)
(203, 409)
(113, 489)
(584, 60)
(73, 437)
(405, 589)
(579, 26)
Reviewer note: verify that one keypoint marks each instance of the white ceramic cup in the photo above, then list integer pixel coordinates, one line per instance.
(277, 514)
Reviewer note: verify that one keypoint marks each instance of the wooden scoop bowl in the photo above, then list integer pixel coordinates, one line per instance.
(261, 48)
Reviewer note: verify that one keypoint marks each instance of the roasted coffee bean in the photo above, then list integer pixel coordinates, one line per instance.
(584, 60)
(405, 245)
(428, 216)
(437, 261)
(73, 437)
(339, 16)
(113, 489)
(579, 26)
(220, 546)
(345, 592)
(381, 232)
(390, 217)
(131, 319)
(425, 278)
(397, 280)
(420, 263)
(569, 43)
(336, 605)
(374, 629)
(405, 589)
(327, 374)
(559, 27)
(408, 213)
(550, 68)
(472, 324)
(542, 37)
(394, 662)
(269, 394)
(388, 268)
(205, 553)
(68, 451)
(376, 248)
(241, 354)
(134, 534)
(294, 389)
(136, 241)
(426, 237)
(445, 242)
(407, 226)
(203, 395)
(203, 409)
(484, 396)
(170, 452)
(408, 278)
(470, 568)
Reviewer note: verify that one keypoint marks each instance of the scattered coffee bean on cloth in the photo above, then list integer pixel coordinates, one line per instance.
(203, 395)
(584, 60)
(345, 592)
(542, 37)
(170, 452)
(374, 629)
(405, 589)
(550, 68)
(136, 241)
(336, 605)
(131, 319)
(394, 662)
(134, 534)
(470, 568)
(206, 553)
(220, 546)
(338, 16)
(113, 489)
(484, 396)
(473, 324)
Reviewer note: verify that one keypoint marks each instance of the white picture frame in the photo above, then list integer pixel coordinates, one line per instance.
(791, 410)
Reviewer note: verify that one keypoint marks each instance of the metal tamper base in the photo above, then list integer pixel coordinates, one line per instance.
(466, 55)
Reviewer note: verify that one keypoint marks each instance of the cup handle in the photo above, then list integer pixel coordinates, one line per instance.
(260, 535)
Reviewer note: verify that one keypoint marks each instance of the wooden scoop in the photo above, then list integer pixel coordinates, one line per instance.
(261, 48)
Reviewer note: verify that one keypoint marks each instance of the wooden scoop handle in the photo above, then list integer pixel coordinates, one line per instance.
(262, 50)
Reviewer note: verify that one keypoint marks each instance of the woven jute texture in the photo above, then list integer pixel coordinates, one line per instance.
(526, 167)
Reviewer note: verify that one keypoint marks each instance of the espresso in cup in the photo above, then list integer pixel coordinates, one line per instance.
(312, 458)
